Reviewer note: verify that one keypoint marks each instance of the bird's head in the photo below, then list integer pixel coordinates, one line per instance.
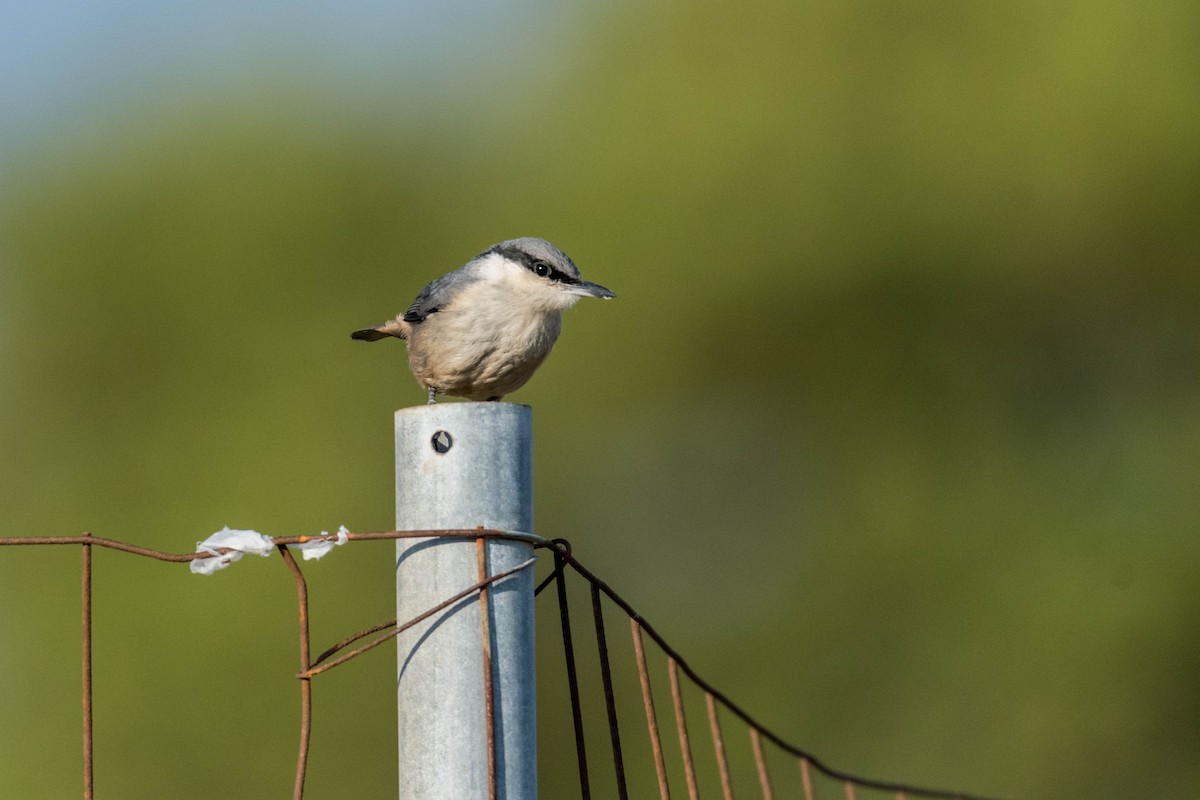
(543, 275)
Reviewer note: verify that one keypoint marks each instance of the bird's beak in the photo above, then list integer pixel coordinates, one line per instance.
(589, 289)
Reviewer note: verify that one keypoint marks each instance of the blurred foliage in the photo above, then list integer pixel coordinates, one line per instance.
(892, 428)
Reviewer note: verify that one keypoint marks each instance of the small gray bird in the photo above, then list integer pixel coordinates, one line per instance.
(480, 331)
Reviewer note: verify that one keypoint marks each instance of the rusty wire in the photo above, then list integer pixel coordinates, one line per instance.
(564, 615)
(760, 763)
(610, 704)
(685, 747)
(138, 550)
(660, 766)
(563, 558)
(489, 699)
(806, 778)
(321, 665)
(87, 669)
(305, 682)
(714, 724)
(599, 586)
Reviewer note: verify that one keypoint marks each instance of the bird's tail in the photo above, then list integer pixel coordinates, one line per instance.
(396, 327)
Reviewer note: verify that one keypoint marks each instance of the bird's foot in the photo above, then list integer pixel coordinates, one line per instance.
(432, 396)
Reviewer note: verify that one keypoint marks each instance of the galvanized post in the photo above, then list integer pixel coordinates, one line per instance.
(462, 465)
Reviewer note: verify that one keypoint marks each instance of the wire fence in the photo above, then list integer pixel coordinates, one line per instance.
(810, 769)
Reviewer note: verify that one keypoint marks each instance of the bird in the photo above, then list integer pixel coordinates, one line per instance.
(481, 331)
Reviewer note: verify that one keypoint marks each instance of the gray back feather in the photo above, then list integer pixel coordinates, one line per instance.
(439, 292)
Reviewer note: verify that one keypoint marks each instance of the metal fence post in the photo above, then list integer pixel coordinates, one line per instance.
(462, 465)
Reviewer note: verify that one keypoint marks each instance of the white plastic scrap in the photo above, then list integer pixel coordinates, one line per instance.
(315, 548)
(237, 542)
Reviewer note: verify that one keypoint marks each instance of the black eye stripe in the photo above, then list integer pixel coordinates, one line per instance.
(543, 270)
(531, 263)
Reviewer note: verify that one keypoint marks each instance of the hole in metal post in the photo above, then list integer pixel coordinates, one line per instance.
(442, 442)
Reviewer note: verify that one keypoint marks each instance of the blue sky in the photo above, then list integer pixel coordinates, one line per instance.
(65, 59)
(76, 66)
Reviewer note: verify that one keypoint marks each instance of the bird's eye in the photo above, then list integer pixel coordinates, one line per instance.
(541, 268)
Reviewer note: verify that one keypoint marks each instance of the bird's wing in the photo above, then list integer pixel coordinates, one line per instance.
(432, 298)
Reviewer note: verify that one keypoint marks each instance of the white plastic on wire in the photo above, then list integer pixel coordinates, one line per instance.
(239, 542)
(315, 548)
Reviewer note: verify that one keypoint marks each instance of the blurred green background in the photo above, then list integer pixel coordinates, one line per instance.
(892, 429)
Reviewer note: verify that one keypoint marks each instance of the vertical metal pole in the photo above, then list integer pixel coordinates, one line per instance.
(462, 465)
